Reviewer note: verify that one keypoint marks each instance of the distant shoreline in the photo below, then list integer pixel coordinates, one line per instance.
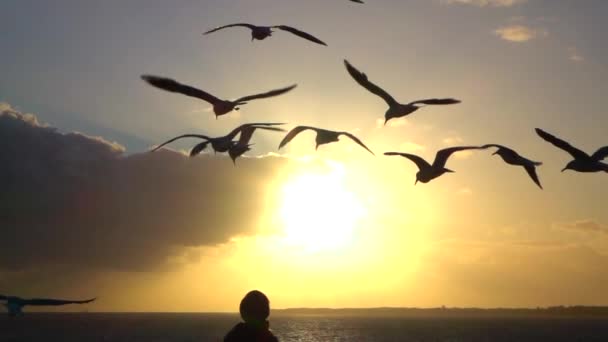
(403, 312)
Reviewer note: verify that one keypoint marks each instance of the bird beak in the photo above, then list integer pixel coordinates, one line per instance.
(494, 153)
(234, 161)
(316, 147)
(416, 182)
(385, 121)
(564, 169)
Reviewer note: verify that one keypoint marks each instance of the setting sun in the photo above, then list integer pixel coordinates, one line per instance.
(318, 212)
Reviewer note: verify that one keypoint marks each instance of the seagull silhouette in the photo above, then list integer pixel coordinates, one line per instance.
(224, 143)
(263, 32)
(357, 1)
(324, 136)
(582, 161)
(427, 172)
(220, 107)
(395, 109)
(15, 305)
(513, 158)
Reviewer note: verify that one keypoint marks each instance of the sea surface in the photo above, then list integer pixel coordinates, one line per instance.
(305, 328)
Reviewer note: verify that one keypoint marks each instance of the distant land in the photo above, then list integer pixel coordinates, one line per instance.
(443, 312)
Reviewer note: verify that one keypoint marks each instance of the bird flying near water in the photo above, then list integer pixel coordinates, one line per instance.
(427, 172)
(15, 305)
(220, 107)
(324, 136)
(582, 162)
(226, 143)
(396, 109)
(263, 32)
(513, 158)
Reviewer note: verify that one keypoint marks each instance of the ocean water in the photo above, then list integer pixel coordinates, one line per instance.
(212, 327)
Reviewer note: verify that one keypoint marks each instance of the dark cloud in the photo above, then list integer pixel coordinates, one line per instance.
(81, 202)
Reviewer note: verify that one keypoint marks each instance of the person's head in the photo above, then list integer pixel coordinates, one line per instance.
(255, 308)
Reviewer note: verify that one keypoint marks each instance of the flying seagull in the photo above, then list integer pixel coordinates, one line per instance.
(428, 172)
(263, 32)
(582, 161)
(324, 136)
(224, 143)
(15, 305)
(357, 1)
(220, 107)
(396, 109)
(513, 158)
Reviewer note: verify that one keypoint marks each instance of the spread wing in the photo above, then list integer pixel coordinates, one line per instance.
(361, 78)
(198, 148)
(447, 101)
(355, 139)
(271, 93)
(421, 163)
(42, 301)
(600, 154)
(442, 156)
(301, 34)
(176, 87)
(494, 145)
(557, 142)
(295, 131)
(247, 133)
(531, 169)
(231, 25)
(243, 127)
(199, 136)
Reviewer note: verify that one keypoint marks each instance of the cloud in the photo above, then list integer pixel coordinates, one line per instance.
(574, 55)
(75, 200)
(520, 33)
(485, 3)
(587, 226)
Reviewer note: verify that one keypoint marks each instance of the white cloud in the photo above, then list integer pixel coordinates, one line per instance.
(520, 33)
(485, 3)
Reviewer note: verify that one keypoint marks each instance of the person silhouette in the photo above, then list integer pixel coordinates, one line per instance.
(254, 309)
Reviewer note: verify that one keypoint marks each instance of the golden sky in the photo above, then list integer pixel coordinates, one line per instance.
(336, 227)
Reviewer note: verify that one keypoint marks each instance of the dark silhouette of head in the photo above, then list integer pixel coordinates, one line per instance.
(255, 308)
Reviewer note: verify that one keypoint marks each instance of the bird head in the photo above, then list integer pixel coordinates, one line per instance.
(569, 166)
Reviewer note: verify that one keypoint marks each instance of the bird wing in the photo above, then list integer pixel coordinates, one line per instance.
(361, 78)
(357, 1)
(271, 93)
(600, 154)
(442, 156)
(557, 142)
(301, 34)
(242, 127)
(247, 133)
(295, 131)
(531, 169)
(447, 101)
(421, 163)
(198, 148)
(43, 301)
(180, 137)
(355, 139)
(493, 145)
(176, 87)
(231, 25)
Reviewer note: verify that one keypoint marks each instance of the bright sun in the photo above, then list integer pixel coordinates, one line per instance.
(318, 212)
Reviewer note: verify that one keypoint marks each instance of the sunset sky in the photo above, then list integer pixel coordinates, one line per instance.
(86, 211)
